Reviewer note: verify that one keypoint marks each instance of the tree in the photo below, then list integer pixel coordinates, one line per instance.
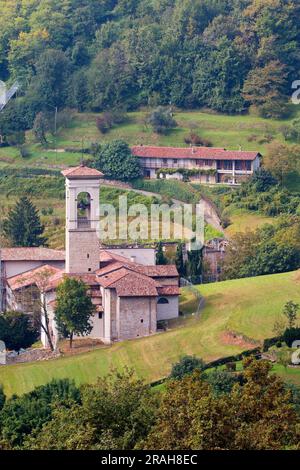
(160, 256)
(291, 312)
(194, 265)
(16, 330)
(41, 127)
(162, 120)
(186, 366)
(23, 226)
(114, 414)
(25, 415)
(281, 159)
(259, 252)
(116, 161)
(263, 180)
(179, 261)
(256, 415)
(51, 85)
(264, 87)
(73, 309)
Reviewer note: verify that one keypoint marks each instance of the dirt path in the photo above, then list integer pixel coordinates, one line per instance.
(210, 213)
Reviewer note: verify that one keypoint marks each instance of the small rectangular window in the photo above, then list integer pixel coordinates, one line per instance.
(88, 255)
(100, 315)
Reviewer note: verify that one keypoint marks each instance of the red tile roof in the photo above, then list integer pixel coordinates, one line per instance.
(56, 279)
(168, 290)
(33, 277)
(207, 153)
(135, 285)
(106, 280)
(31, 254)
(81, 172)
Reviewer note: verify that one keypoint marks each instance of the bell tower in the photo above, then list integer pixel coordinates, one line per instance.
(82, 219)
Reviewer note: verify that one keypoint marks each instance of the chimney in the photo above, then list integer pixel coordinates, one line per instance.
(132, 258)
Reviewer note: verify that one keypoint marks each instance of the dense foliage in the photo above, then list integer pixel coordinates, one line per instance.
(211, 410)
(100, 54)
(17, 331)
(262, 193)
(186, 366)
(115, 160)
(267, 250)
(25, 415)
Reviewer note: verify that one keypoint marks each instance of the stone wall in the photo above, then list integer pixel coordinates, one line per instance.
(137, 317)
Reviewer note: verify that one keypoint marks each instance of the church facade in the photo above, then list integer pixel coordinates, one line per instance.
(129, 294)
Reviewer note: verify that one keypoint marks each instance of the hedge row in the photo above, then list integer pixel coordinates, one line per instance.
(220, 362)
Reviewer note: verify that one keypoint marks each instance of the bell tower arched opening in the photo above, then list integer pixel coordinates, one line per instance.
(84, 210)
(82, 219)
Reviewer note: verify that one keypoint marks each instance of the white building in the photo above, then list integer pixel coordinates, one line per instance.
(202, 164)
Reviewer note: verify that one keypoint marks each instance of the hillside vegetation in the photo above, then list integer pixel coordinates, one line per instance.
(245, 307)
(135, 52)
(232, 132)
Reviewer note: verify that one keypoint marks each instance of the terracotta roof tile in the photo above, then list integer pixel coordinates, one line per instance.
(81, 172)
(135, 285)
(168, 290)
(56, 279)
(31, 254)
(207, 153)
(106, 280)
(33, 277)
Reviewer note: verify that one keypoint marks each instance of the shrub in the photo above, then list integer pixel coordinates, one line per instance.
(290, 335)
(161, 120)
(16, 330)
(56, 221)
(231, 366)
(102, 125)
(2, 397)
(24, 152)
(186, 366)
(221, 381)
(196, 140)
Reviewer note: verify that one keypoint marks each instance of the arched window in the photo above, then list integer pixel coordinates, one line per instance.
(84, 210)
(163, 301)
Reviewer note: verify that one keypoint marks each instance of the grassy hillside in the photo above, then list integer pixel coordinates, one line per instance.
(232, 132)
(247, 306)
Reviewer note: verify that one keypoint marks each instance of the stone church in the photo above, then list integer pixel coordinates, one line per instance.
(130, 292)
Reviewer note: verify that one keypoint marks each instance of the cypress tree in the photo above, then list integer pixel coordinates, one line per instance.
(160, 257)
(180, 264)
(23, 226)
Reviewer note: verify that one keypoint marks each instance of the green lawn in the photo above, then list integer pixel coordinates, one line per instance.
(243, 221)
(247, 306)
(249, 132)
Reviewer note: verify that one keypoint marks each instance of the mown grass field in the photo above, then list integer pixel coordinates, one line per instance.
(249, 307)
(243, 221)
(248, 132)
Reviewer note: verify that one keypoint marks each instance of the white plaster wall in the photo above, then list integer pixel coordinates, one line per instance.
(13, 268)
(168, 311)
(145, 256)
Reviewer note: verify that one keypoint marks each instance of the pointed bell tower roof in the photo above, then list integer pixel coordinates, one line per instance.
(82, 172)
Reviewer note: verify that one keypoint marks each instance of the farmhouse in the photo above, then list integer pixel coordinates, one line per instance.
(130, 293)
(201, 164)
